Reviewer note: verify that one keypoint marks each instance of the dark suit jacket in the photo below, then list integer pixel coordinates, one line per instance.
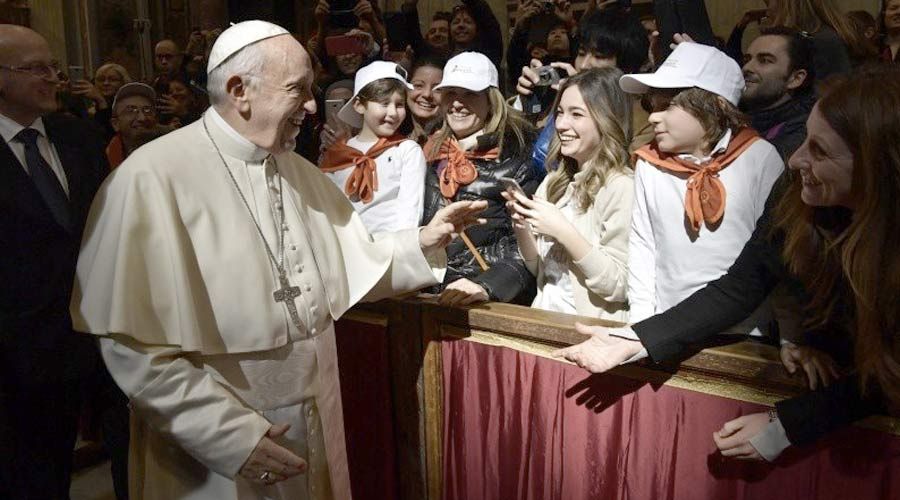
(38, 255)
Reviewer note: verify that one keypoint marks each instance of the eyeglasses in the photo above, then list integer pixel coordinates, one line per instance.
(134, 110)
(39, 70)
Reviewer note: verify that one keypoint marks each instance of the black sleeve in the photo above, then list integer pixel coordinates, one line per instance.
(411, 18)
(489, 33)
(725, 301)
(508, 279)
(810, 416)
(517, 55)
(733, 47)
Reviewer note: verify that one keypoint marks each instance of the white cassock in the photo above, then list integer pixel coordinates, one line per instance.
(174, 277)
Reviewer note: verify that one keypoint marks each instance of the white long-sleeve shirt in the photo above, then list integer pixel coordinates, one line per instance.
(399, 200)
(667, 262)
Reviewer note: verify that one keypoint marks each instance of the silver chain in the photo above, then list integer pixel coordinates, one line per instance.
(279, 263)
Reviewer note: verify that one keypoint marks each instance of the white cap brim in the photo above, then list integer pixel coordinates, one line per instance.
(462, 84)
(349, 115)
(642, 83)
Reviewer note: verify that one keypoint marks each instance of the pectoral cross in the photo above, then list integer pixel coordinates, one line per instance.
(287, 294)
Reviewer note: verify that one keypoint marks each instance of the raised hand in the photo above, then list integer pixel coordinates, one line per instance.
(449, 222)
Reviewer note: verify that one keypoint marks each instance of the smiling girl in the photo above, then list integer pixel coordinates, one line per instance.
(380, 170)
(574, 234)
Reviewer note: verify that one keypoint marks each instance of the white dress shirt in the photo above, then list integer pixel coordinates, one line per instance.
(9, 128)
(399, 200)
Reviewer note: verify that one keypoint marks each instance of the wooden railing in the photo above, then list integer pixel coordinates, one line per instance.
(744, 371)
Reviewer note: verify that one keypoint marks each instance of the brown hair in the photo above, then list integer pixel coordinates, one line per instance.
(849, 259)
(610, 109)
(381, 90)
(715, 114)
(813, 15)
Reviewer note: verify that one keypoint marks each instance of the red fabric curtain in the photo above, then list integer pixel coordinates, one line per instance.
(517, 426)
(364, 367)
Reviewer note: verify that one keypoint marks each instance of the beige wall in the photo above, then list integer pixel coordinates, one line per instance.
(48, 19)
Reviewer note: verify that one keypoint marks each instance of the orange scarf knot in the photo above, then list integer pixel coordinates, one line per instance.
(460, 170)
(704, 201)
(363, 181)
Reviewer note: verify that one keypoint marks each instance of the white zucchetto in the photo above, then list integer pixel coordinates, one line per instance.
(239, 36)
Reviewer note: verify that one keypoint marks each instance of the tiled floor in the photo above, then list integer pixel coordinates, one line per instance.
(93, 483)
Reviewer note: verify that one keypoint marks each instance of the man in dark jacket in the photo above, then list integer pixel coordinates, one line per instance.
(50, 169)
(779, 93)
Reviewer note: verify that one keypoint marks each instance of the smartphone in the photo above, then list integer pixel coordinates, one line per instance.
(397, 34)
(76, 73)
(332, 106)
(342, 44)
(510, 184)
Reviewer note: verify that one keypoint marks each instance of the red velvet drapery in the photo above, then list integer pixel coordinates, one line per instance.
(518, 426)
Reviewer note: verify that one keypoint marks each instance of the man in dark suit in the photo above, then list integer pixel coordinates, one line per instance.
(50, 170)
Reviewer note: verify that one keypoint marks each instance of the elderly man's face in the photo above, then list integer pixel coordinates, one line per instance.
(283, 96)
(28, 77)
(134, 116)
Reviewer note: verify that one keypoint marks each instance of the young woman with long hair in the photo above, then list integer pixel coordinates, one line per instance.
(574, 234)
(831, 235)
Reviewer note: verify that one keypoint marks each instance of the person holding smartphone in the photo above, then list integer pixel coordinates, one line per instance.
(482, 140)
(574, 234)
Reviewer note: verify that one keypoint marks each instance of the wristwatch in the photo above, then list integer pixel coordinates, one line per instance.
(773, 414)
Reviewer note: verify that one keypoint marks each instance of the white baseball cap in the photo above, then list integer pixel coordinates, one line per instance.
(239, 36)
(471, 71)
(375, 71)
(692, 65)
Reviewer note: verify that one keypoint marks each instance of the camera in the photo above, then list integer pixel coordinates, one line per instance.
(547, 76)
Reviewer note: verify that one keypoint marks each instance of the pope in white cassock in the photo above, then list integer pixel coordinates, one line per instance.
(214, 263)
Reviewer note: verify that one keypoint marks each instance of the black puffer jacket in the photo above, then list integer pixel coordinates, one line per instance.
(507, 280)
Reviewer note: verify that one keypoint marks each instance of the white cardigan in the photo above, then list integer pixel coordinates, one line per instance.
(599, 279)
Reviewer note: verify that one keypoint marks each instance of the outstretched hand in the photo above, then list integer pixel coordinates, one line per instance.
(733, 439)
(601, 352)
(448, 222)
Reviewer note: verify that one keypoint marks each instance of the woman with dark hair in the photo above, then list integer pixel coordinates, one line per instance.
(482, 140)
(832, 237)
(423, 102)
(474, 28)
(890, 30)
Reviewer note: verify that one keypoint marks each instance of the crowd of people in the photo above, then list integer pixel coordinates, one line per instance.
(683, 189)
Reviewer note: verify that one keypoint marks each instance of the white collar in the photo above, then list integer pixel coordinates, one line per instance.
(230, 141)
(9, 128)
(721, 146)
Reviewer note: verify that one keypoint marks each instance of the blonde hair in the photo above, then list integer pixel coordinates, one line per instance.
(126, 78)
(502, 119)
(610, 109)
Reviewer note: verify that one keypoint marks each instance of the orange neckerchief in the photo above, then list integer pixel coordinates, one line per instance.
(363, 181)
(460, 170)
(115, 152)
(705, 197)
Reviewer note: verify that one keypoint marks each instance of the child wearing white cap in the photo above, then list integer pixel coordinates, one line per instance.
(380, 170)
(700, 186)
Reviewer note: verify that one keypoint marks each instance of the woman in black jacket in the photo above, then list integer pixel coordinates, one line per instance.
(482, 140)
(833, 236)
